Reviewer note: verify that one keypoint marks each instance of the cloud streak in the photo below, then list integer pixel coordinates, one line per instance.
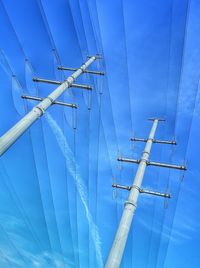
(74, 170)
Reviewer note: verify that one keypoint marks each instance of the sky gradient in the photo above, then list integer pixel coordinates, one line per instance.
(57, 206)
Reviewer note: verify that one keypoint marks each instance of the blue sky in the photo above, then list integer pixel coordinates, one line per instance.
(57, 207)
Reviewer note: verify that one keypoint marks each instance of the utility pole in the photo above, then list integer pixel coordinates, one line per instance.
(18, 129)
(117, 250)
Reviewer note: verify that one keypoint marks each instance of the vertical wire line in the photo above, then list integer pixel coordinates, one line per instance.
(165, 208)
(88, 156)
(103, 66)
(171, 156)
(181, 178)
(129, 100)
(97, 165)
(11, 70)
(13, 192)
(78, 42)
(98, 64)
(39, 187)
(19, 206)
(29, 131)
(165, 113)
(175, 122)
(23, 52)
(126, 58)
(74, 115)
(76, 198)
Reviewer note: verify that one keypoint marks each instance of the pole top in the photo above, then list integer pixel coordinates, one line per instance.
(159, 119)
(97, 56)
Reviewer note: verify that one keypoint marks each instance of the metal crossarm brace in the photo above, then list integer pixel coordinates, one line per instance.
(154, 141)
(121, 186)
(143, 191)
(159, 119)
(128, 160)
(158, 164)
(98, 56)
(71, 105)
(18, 129)
(41, 80)
(81, 86)
(151, 163)
(62, 68)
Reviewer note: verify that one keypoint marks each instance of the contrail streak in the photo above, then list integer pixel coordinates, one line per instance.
(82, 190)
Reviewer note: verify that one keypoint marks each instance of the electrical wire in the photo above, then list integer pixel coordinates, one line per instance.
(59, 62)
(181, 178)
(12, 71)
(165, 113)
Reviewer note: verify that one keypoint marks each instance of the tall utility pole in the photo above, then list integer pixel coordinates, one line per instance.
(117, 250)
(18, 129)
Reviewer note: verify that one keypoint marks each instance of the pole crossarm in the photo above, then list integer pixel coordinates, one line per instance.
(97, 56)
(41, 80)
(62, 68)
(159, 119)
(155, 141)
(71, 105)
(158, 164)
(19, 128)
(152, 163)
(143, 191)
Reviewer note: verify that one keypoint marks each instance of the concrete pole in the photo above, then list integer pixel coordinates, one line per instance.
(17, 130)
(117, 250)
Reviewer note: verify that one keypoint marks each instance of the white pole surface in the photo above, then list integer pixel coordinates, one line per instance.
(18, 129)
(116, 252)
